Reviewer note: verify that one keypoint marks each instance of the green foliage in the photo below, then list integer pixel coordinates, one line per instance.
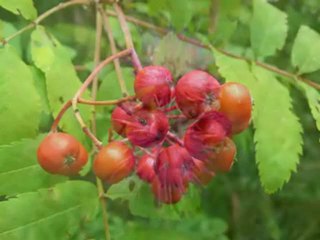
(180, 57)
(306, 50)
(52, 213)
(37, 76)
(277, 129)
(20, 7)
(142, 203)
(18, 163)
(268, 29)
(61, 79)
(20, 118)
(313, 98)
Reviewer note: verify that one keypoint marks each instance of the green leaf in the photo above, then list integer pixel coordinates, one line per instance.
(268, 29)
(20, 105)
(306, 50)
(19, 161)
(49, 213)
(180, 57)
(23, 7)
(313, 98)
(277, 130)
(61, 79)
(110, 88)
(180, 12)
(7, 29)
(142, 202)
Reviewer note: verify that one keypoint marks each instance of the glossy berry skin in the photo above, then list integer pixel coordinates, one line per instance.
(173, 165)
(152, 86)
(200, 173)
(168, 194)
(61, 153)
(235, 103)
(114, 162)
(120, 116)
(211, 129)
(146, 168)
(197, 92)
(147, 128)
(221, 159)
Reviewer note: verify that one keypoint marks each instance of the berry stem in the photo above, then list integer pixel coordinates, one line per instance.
(128, 38)
(56, 121)
(172, 108)
(97, 55)
(116, 62)
(106, 103)
(173, 116)
(173, 138)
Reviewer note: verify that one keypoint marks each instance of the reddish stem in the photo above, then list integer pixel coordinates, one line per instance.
(65, 107)
(173, 138)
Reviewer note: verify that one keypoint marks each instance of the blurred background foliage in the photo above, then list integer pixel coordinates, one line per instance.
(234, 205)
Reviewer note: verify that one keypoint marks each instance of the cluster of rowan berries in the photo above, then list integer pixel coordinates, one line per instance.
(208, 114)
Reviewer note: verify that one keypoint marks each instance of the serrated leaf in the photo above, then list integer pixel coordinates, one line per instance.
(20, 105)
(305, 53)
(49, 213)
(268, 29)
(61, 79)
(20, 7)
(18, 162)
(277, 130)
(142, 202)
(313, 97)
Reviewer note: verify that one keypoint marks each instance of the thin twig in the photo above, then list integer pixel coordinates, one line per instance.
(84, 86)
(96, 60)
(116, 62)
(128, 38)
(172, 137)
(106, 103)
(97, 55)
(56, 121)
(163, 31)
(43, 16)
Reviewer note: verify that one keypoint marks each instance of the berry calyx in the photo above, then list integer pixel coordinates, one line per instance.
(114, 162)
(197, 92)
(61, 153)
(152, 86)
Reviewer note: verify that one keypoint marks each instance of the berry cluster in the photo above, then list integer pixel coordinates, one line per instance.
(208, 114)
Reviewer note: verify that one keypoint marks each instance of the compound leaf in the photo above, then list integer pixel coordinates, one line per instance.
(50, 214)
(268, 28)
(20, 7)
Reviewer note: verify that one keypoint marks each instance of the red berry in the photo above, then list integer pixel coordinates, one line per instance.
(153, 86)
(211, 129)
(61, 153)
(173, 165)
(196, 92)
(200, 173)
(221, 159)
(120, 118)
(168, 194)
(114, 162)
(146, 168)
(147, 127)
(235, 103)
